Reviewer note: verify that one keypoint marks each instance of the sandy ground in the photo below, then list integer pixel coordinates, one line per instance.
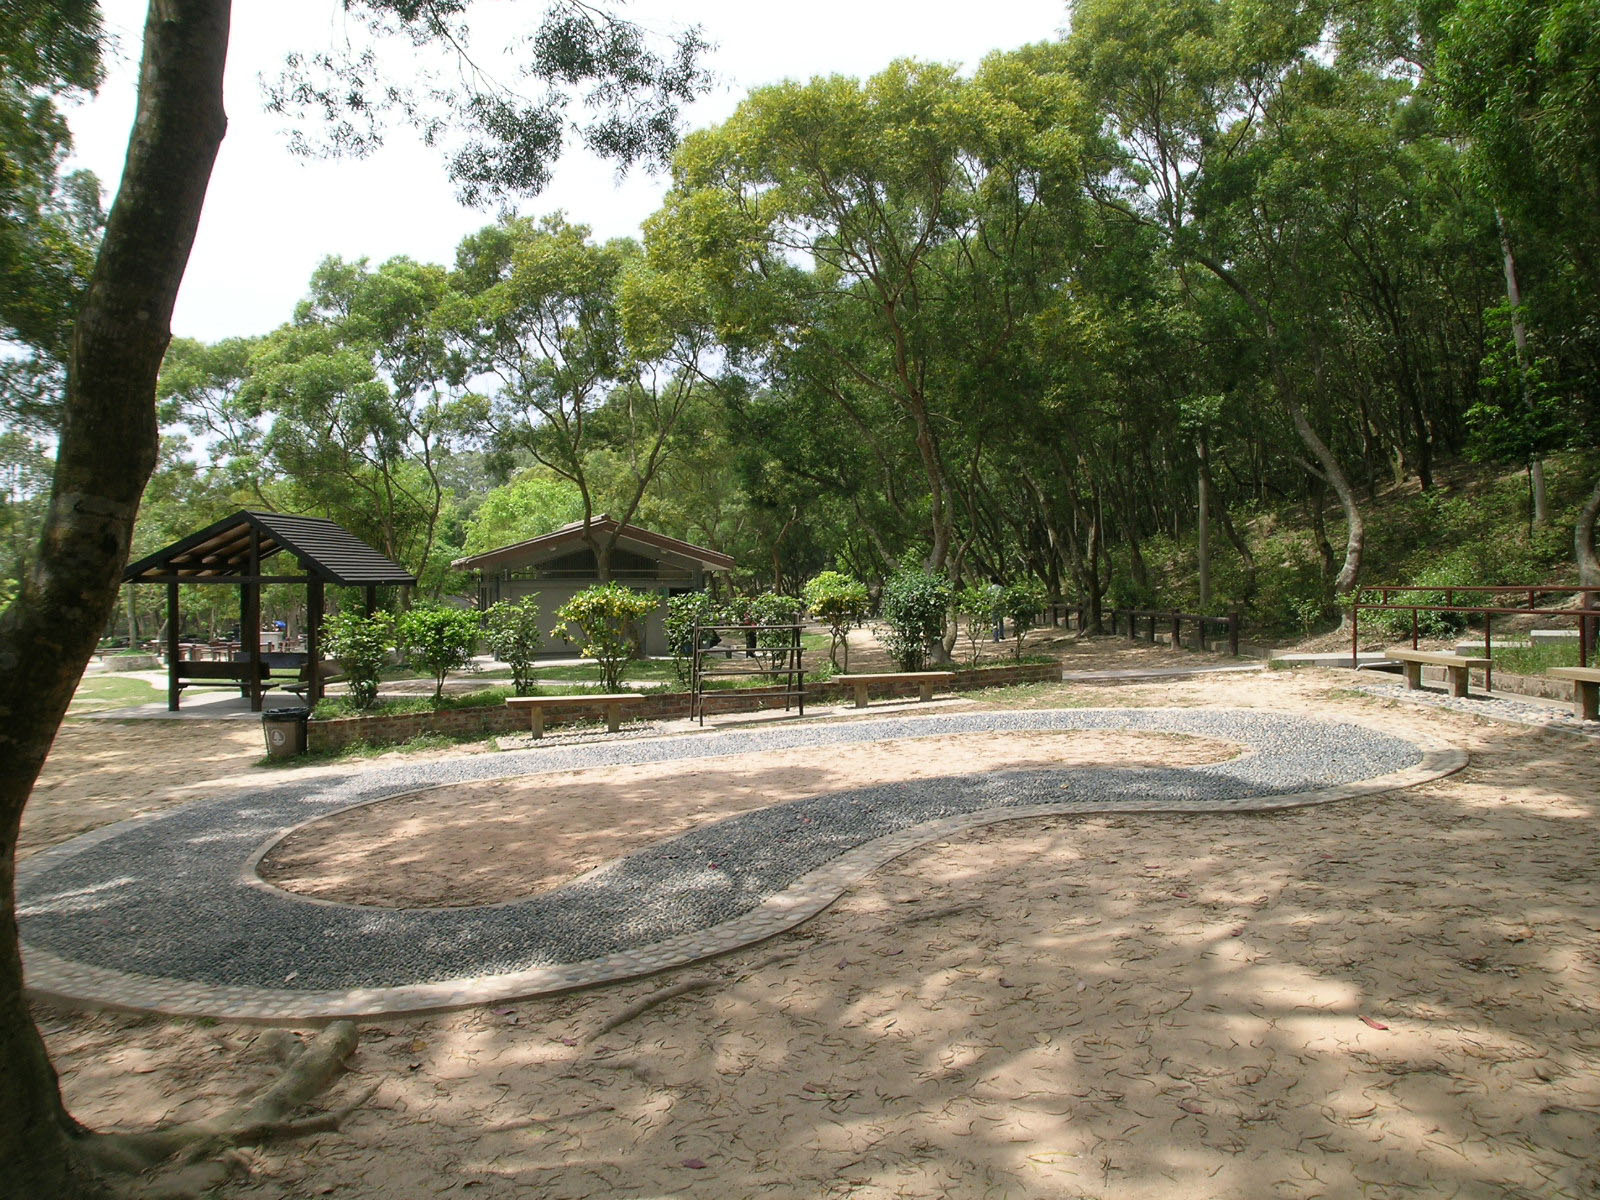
(482, 844)
(1387, 996)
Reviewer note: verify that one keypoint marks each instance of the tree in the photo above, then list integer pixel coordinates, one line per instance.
(108, 433)
(605, 619)
(531, 505)
(595, 357)
(914, 607)
(839, 602)
(843, 232)
(1022, 601)
(438, 640)
(975, 606)
(511, 631)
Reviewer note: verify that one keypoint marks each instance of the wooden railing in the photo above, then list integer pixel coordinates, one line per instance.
(1173, 622)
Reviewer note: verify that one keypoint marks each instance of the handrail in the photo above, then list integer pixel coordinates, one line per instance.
(1231, 622)
(1585, 616)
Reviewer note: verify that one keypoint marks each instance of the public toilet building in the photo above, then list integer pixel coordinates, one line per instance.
(559, 565)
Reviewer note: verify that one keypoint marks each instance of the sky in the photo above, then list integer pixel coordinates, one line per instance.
(270, 217)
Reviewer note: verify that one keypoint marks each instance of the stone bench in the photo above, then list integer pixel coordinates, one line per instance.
(923, 679)
(536, 705)
(1456, 666)
(1585, 689)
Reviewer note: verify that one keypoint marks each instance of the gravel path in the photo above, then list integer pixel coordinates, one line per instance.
(174, 895)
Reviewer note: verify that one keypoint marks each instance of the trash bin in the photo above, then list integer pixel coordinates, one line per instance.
(285, 731)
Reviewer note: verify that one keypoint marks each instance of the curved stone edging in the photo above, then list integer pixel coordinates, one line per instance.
(63, 979)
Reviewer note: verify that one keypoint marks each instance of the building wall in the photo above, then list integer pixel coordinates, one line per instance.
(553, 593)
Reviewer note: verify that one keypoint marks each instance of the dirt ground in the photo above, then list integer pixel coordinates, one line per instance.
(1388, 996)
(477, 844)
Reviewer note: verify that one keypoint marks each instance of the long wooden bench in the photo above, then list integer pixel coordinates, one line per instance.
(923, 679)
(223, 674)
(1457, 667)
(536, 705)
(1585, 689)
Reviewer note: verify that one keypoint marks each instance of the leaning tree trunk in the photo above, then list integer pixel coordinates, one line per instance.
(1355, 525)
(106, 452)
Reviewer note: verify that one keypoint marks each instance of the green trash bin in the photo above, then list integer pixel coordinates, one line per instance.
(285, 731)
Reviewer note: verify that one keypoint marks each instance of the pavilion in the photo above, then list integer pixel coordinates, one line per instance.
(233, 550)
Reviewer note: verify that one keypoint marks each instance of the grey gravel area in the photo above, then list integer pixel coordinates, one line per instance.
(173, 895)
(1498, 707)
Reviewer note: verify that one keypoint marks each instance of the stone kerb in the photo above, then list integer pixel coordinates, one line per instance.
(329, 735)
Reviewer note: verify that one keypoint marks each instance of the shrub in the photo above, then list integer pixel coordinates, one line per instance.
(602, 618)
(1023, 602)
(975, 605)
(684, 612)
(914, 607)
(438, 640)
(838, 601)
(511, 631)
(361, 645)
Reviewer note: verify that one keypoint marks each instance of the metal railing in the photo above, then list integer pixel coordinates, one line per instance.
(1173, 621)
(1586, 615)
(770, 650)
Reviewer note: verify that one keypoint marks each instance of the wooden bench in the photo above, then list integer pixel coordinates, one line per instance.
(537, 704)
(1585, 689)
(923, 679)
(330, 674)
(223, 674)
(1456, 667)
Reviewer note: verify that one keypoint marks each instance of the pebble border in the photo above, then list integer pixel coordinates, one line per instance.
(55, 978)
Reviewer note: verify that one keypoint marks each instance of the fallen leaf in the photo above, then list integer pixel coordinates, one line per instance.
(1374, 1024)
(1181, 895)
(694, 1164)
(1191, 1106)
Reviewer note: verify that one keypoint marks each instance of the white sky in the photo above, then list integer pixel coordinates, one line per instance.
(270, 217)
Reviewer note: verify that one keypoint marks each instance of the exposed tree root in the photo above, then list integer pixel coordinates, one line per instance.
(269, 1116)
(633, 1011)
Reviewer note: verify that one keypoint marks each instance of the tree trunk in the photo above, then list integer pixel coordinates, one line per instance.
(1202, 536)
(1356, 527)
(1519, 335)
(106, 452)
(1583, 541)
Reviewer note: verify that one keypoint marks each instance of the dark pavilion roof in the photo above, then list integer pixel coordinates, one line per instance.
(657, 545)
(222, 551)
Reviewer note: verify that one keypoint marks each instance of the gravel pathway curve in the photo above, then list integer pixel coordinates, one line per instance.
(172, 899)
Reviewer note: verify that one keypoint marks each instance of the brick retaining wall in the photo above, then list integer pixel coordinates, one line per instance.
(382, 730)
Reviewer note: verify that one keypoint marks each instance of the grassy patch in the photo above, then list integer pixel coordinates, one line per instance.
(1534, 660)
(360, 750)
(100, 693)
(650, 670)
(332, 707)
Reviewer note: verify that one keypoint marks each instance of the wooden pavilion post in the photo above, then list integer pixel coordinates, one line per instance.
(172, 646)
(314, 607)
(372, 599)
(250, 620)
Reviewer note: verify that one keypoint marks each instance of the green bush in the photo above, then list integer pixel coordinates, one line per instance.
(838, 601)
(361, 645)
(438, 640)
(602, 618)
(684, 612)
(914, 607)
(1023, 602)
(774, 608)
(511, 631)
(975, 606)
